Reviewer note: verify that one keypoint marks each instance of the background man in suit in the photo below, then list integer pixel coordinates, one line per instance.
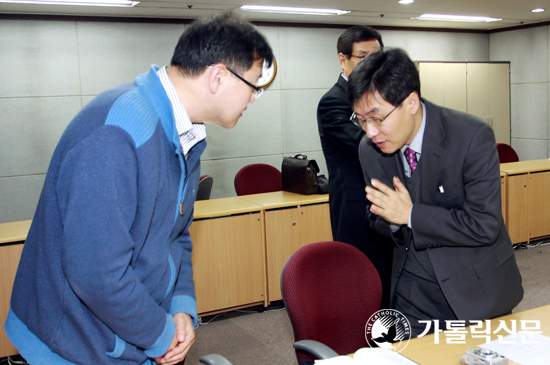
(433, 186)
(340, 141)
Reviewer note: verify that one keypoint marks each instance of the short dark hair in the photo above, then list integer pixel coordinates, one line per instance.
(357, 33)
(225, 38)
(390, 72)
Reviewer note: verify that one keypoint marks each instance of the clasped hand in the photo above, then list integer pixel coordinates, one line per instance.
(182, 341)
(392, 205)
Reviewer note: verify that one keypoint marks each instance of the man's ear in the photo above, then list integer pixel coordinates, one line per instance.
(216, 77)
(342, 59)
(414, 102)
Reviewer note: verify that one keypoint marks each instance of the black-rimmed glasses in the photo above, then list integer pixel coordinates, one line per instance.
(257, 91)
(361, 122)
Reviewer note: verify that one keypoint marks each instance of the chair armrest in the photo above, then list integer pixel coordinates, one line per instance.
(317, 349)
(214, 359)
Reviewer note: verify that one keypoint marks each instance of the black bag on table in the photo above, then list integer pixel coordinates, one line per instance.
(300, 175)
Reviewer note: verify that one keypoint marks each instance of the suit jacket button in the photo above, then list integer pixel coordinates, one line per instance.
(182, 210)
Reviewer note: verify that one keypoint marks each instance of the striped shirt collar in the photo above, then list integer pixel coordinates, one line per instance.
(190, 133)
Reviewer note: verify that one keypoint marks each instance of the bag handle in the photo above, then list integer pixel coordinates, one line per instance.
(300, 156)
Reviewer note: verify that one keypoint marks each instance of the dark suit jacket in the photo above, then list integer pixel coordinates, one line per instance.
(462, 228)
(340, 140)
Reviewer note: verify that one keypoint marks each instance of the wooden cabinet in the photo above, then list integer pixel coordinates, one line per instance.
(539, 204)
(528, 199)
(488, 96)
(12, 236)
(478, 88)
(444, 84)
(286, 231)
(228, 262)
(518, 220)
(504, 196)
(9, 260)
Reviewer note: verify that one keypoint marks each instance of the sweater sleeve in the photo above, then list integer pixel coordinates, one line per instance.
(183, 299)
(97, 192)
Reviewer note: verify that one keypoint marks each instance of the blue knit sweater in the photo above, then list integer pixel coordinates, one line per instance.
(107, 261)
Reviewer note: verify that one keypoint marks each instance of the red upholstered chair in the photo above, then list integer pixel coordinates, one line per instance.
(258, 178)
(506, 153)
(330, 290)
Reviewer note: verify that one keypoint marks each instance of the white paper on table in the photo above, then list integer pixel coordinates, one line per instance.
(338, 360)
(378, 356)
(524, 347)
(369, 356)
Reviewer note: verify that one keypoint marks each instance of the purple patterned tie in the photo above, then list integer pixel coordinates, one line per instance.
(410, 155)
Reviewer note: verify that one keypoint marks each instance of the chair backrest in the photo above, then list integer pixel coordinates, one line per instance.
(258, 178)
(214, 359)
(330, 290)
(506, 153)
(205, 187)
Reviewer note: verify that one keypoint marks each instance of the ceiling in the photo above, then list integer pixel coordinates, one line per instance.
(372, 12)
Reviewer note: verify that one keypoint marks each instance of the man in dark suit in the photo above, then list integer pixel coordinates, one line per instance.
(433, 186)
(340, 140)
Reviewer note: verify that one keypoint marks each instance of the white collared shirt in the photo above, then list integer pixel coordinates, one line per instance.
(190, 133)
(416, 146)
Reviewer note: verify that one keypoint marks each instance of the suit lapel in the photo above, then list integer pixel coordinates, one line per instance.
(433, 153)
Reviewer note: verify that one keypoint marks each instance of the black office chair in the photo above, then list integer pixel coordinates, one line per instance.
(205, 187)
(214, 359)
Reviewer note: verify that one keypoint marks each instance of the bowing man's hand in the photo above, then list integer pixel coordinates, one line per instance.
(392, 205)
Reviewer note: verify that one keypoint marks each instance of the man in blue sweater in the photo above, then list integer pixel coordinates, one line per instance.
(106, 276)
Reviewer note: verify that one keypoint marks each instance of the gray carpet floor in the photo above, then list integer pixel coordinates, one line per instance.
(248, 337)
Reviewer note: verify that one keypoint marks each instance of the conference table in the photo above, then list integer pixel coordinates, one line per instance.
(424, 351)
